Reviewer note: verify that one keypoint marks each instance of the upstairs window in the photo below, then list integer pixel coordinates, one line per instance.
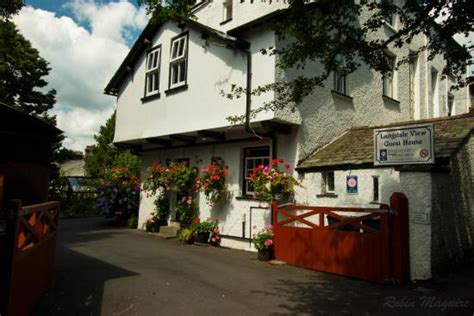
(388, 79)
(450, 104)
(339, 76)
(152, 79)
(227, 10)
(178, 61)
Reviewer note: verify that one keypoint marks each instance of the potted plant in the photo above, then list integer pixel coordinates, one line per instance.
(212, 182)
(187, 236)
(152, 224)
(263, 242)
(203, 231)
(271, 183)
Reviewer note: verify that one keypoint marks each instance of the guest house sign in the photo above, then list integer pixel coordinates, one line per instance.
(404, 145)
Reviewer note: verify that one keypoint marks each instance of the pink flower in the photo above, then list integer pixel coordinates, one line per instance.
(269, 228)
(216, 230)
(189, 201)
(268, 242)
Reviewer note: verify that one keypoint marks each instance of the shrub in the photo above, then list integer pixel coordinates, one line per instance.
(132, 221)
(186, 236)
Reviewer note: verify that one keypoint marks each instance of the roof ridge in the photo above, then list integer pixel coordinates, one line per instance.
(426, 120)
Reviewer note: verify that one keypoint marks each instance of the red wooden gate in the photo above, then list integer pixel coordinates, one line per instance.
(32, 257)
(354, 242)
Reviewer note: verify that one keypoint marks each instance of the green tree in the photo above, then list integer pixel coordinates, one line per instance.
(22, 72)
(105, 155)
(10, 7)
(325, 29)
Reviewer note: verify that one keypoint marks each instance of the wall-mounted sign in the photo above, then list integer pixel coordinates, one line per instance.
(404, 145)
(421, 217)
(352, 184)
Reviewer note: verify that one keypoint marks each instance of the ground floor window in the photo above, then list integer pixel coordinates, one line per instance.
(327, 184)
(253, 157)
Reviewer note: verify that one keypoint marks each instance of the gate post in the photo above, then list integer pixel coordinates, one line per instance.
(400, 238)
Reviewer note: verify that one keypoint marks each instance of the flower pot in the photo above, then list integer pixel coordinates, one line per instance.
(202, 238)
(265, 254)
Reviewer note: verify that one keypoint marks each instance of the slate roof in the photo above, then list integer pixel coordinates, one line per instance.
(355, 147)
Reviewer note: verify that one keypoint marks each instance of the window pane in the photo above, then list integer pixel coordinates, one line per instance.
(376, 188)
(155, 81)
(182, 71)
(181, 47)
(330, 181)
(174, 50)
(174, 73)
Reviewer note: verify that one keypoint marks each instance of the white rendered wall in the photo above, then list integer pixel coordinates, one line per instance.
(211, 68)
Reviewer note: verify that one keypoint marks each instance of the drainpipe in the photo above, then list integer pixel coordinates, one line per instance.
(248, 105)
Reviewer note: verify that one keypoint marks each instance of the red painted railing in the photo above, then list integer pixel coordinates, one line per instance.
(32, 256)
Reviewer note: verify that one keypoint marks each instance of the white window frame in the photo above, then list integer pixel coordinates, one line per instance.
(247, 170)
(325, 182)
(339, 84)
(389, 79)
(450, 104)
(227, 10)
(179, 58)
(152, 71)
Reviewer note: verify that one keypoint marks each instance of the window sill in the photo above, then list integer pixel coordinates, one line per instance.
(391, 27)
(225, 21)
(150, 98)
(245, 198)
(341, 95)
(391, 100)
(176, 89)
(326, 195)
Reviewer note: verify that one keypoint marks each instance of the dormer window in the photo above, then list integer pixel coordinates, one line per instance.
(152, 79)
(227, 10)
(178, 61)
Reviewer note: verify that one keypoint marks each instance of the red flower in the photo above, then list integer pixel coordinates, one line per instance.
(226, 166)
(281, 161)
(210, 168)
(275, 161)
(287, 166)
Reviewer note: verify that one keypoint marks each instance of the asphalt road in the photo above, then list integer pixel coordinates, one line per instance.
(104, 270)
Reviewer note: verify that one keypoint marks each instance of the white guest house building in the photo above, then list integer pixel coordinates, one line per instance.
(170, 107)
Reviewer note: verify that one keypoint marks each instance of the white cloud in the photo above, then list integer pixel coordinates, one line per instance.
(82, 61)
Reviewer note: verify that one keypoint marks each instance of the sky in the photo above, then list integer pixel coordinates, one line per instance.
(84, 41)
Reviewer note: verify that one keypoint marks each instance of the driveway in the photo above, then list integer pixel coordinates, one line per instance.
(104, 270)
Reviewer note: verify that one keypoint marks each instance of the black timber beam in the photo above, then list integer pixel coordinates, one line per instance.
(159, 141)
(277, 127)
(211, 134)
(183, 139)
